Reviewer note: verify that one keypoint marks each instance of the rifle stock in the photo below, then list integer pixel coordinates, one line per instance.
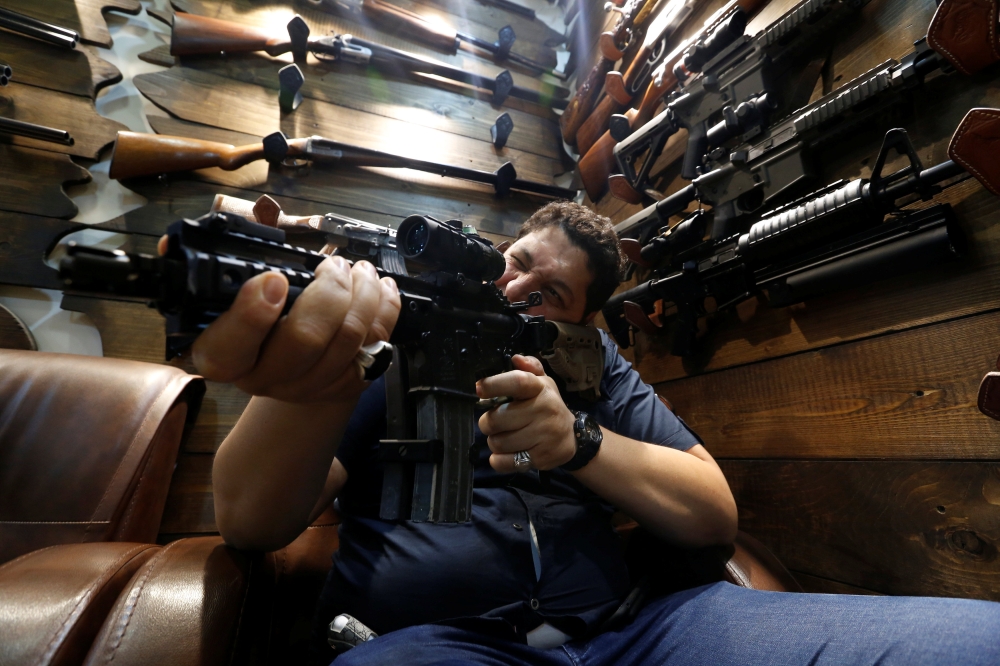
(414, 24)
(139, 154)
(198, 35)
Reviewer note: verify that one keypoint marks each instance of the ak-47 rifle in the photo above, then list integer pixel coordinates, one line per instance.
(834, 238)
(728, 106)
(200, 35)
(655, 79)
(455, 327)
(620, 88)
(140, 154)
(434, 33)
(619, 44)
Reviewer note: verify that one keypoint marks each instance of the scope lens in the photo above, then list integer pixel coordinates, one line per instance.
(416, 239)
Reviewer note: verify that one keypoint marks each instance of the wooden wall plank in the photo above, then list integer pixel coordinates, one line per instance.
(33, 181)
(78, 71)
(213, 100)
(14, 333)
(76, 114)
(818, 585)
(403, 100)
(190, 508)
(912, 528)
(244, 11)
(497, 17)
(84, 16)
(24, 242)
(905, 395)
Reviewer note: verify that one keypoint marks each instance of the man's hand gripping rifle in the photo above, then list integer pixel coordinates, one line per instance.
(455, 327)
(834, 238)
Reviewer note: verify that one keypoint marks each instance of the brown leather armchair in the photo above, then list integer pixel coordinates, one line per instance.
(87, 450)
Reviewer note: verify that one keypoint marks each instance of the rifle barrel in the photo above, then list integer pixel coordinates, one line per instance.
(32, 27)
(33, 131)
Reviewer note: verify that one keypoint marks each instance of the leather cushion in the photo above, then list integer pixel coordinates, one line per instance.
(87, 447)
(53, 601)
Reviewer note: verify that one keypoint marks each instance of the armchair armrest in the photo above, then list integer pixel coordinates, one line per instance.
(197, 601)
(55, 599)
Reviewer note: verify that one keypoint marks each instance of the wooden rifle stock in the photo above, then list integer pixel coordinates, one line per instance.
(139, 154)
(630, 30)
(598, 161)
(196, 35)
(414, 24)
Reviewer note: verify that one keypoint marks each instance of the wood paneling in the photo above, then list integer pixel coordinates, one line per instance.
(76, 114)
(14, 333)
(907, 395)
(817, 585)
(213, 100)
(34, 181)
(25, 240)
(912, 528)
(84, 16)
(78, 71)
(190, 508)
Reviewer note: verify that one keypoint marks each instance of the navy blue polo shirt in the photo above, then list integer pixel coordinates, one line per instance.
(394, 574)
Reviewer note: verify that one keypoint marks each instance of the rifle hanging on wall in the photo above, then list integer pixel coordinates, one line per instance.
(140, 154)
(200, 35)
(837, 237)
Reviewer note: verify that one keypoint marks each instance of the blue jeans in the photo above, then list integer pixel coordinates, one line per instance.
(721, 624)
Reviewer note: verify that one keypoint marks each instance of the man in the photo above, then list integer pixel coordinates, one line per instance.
(538, 569)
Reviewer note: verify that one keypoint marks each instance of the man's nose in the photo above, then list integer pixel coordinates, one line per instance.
(519, 288)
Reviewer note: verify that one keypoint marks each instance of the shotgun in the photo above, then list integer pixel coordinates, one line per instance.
(436, 34)
(626, 37)
(598, 160)
(720, 129)
(139, 154)
(200, 35)
(835, 238)
(33, 131)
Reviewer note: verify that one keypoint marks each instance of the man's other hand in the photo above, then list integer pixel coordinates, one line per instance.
(537, 421)
(308, 355)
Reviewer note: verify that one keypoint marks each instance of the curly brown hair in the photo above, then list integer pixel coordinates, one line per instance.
(592, 233)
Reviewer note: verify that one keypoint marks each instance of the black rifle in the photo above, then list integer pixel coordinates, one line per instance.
(735, 158)
(33, 131)
(455, 326)
(32, 27)
(200, 35)
(834, 238)
(735, 90)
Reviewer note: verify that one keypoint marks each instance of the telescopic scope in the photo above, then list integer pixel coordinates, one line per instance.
(443, 246)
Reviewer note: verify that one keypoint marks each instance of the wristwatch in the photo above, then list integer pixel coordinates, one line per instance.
(588, 441)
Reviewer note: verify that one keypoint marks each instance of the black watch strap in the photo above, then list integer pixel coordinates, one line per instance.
(588, 441)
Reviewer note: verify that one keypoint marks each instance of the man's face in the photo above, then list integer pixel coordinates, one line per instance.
(547, 261)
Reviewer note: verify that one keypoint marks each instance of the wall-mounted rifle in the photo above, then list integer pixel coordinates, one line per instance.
(844, 235)
(727, 110)
(621, 43)
(200, 35)
(139, 154)
(433, 33)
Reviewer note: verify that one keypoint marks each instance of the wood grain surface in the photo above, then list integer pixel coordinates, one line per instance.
(73, 113)
(403, 100)
(34, 181)
(911, 528)
(14, 333)
(84, 16)
(905, 395)
(373, 195)
(78, 71)
(25, 241)
(206, 98)
(320, 23)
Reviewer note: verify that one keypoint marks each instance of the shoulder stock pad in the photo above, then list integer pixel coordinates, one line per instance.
(965, 32)
(976, 144)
